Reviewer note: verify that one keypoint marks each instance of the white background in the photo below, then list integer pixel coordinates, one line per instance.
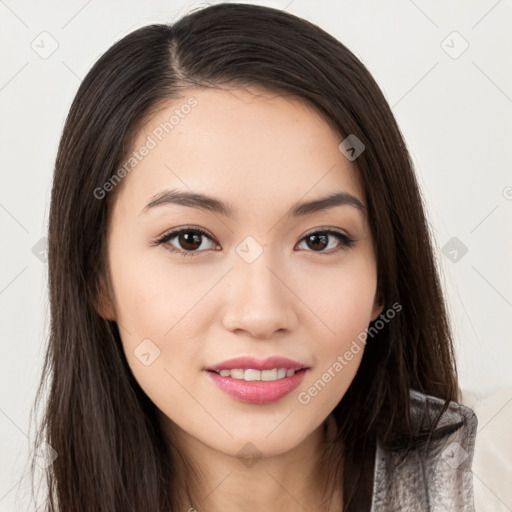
(455, 114)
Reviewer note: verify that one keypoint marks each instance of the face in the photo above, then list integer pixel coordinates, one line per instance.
(248, 273)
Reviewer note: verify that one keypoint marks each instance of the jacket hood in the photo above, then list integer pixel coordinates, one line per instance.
(430, 471)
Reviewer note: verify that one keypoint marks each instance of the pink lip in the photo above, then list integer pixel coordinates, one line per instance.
(257, 392)
(257, 364)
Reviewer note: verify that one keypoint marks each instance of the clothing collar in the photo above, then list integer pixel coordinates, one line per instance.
(433, 472)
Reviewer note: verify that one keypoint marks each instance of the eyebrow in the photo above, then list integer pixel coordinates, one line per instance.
(211, 204)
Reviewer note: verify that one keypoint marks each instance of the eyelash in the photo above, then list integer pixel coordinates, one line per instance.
(346, 242)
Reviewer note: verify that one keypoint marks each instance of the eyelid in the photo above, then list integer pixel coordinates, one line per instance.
(177, 231)
(325, 229)
(346, 240)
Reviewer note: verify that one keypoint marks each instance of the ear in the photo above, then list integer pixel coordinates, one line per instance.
(378, 306)
(103, 304)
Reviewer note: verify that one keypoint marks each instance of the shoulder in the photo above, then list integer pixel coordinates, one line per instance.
(430, 470)
(492, 462)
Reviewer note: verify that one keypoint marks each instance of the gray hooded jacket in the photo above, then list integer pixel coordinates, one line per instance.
(435, 476)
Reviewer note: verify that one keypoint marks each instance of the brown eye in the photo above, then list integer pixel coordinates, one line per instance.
(189, 240)
(186, 241)
(319, 241)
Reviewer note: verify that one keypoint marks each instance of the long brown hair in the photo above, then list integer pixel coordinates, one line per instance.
(112, 454)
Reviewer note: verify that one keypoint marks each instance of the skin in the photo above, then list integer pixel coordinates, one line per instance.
(261, 153)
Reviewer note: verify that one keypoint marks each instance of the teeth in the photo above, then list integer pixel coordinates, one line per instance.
(252, 375)
(237, 374)
(269, 374)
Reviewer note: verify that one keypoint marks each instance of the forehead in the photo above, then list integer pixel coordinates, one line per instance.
(252, 147)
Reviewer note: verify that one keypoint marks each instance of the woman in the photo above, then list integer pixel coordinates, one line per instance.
(246, 311)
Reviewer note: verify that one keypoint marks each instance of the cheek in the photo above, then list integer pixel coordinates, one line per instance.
(151, 295)
(155, 314)
(343, 308)
(341, 299)
(158, 307)
(158, 299)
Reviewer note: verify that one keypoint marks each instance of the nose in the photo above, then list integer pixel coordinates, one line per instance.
(259, 300)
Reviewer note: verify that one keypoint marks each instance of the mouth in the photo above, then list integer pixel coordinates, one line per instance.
(258, 392)
(257, 381)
